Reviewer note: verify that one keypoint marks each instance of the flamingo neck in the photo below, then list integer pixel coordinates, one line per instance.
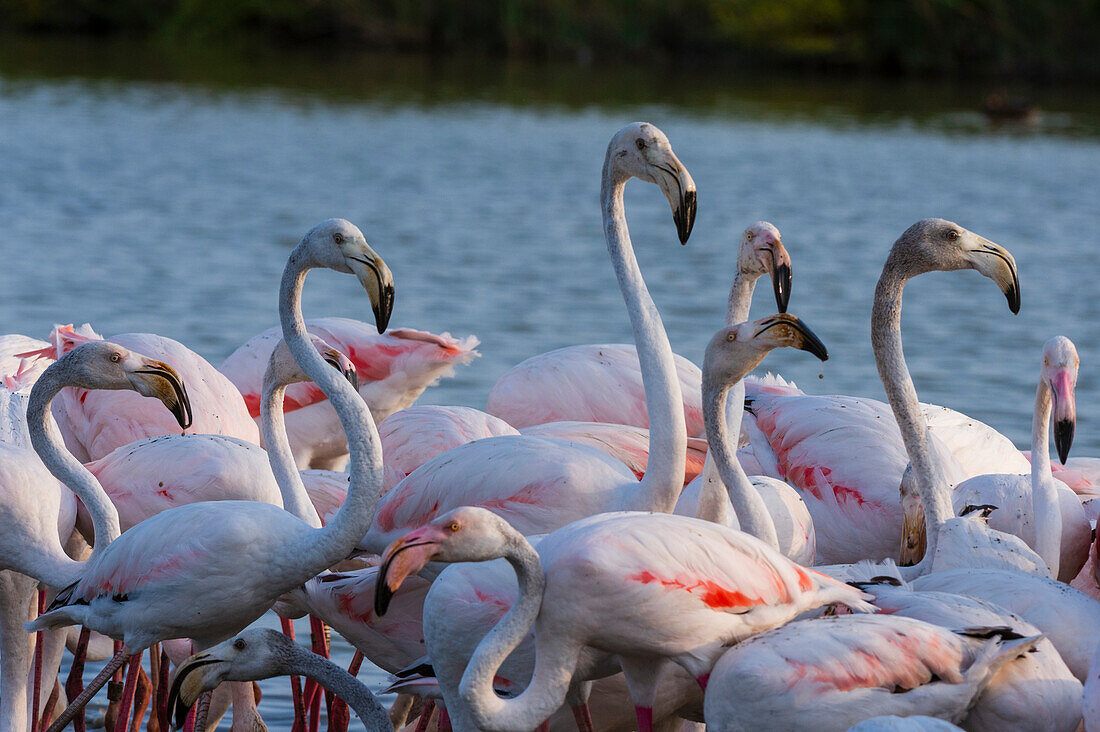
(300, 662)
(752, 512)
(554, 660)
(712, 494)
(664, 476)
(47, 442)
(1045, 509)
(902, 395)
(279, 454)
(331, 544)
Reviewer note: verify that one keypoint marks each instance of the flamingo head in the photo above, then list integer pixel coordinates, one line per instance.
(1059, 374)
(340, 245)
(762, 252)
(283, 369)
(257, 653)
(107, 365)
(736, 350)
(466, 534)
(939, 245)
(640, 150)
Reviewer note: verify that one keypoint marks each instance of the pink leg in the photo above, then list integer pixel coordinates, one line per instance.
(50, 703)
(122, 722)
(295, 685)
(645, 718)
(544, 727)
(703, 681)
(162, 690)
(425, 717)
(141, 699)
(74, 684)
(444, 720)
(86, 695)
(583, 716)
(114, 693)
(189, 724)
(319, 640)
(36, 687)
(339, 716)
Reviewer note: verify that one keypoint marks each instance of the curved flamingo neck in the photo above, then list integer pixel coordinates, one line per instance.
(664, 476)
(554, 660)
(712, 494)
(273, 425)
(902, 395)
(752, 512)
(1045, 509)
(47, 442)
(299, 661)
(329, 545)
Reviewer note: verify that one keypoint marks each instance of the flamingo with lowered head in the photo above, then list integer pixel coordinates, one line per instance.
(669, 588)
(259, 653)
(830, 673)
(204, 571)
(1036, 507)
(603, 383)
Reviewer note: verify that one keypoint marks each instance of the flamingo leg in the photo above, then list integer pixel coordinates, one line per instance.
(319, 641)
(85, 696)
(202, 710)
(425, 717)
(444, 719)
(74, 683)
(645, 718)
(141, 700)
(122, 721)
(544, 727)
(50, 704)
(583, 715)
(295, 684)
(114, 694)
(37, 685)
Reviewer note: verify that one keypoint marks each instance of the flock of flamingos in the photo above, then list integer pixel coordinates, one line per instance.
(622, 541)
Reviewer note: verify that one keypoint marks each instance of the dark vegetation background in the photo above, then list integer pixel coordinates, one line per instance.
(1032, 39)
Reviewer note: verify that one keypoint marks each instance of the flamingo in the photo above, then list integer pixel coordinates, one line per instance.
(259, 653)
(1035, 692)
(913, 723)
(540, 483)
(603, 383)
(830, 673)
(204, 571)
(669, 587)
(96, 422)
(394, 369)
(1035, 507)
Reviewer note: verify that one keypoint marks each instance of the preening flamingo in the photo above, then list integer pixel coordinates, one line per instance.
(603, 382)
(394, 369)
(669, 588)
(1034, 692)
(205, 571)
(259, 653)
(538, 483)
(830, 673)
(1036, 507)
(95, 422)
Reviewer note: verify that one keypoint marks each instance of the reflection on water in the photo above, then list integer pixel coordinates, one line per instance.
(143, 189)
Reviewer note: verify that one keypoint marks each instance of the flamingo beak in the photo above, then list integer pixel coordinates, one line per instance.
(676, 183)
(377, 280)
(188, 684)
(1064, 411)
(997, 264)
(343, 364)
(406, 556)
(785, 329)
(158, 379)
(781, 275)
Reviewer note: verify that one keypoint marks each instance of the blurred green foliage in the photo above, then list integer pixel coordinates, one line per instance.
(1035, 38)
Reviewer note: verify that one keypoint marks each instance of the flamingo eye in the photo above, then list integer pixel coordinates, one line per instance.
(748, 235)
(731, 337)
(239, 644)
(640, 143)
(454, 526)
(952, 235)
(338, 238)
(116, 357)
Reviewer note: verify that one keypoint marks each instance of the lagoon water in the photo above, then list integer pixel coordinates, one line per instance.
(142, 190)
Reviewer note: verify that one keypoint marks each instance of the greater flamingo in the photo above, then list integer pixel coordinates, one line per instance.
(539, 483)
(394, 369)
(1036, 507)
(204, 571)
(603, 382)
(95, 422)
(260, 653)
(669, 588)
(830, 673)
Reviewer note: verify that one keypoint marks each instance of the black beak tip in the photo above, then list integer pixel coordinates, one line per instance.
(384, 310)
(382, 596)
(1063, 438)
(353, 378)
(782, 285)
(684, 216)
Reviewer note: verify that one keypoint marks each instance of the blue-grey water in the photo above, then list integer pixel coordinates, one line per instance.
(140, 194)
